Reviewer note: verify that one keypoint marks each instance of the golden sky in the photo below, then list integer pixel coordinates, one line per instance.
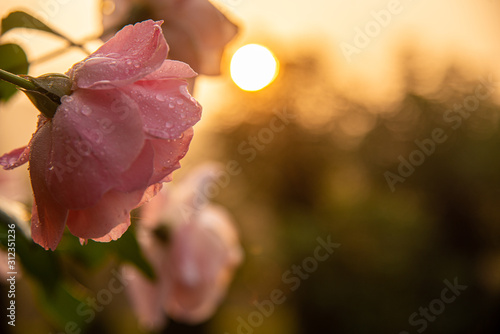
(467, 29)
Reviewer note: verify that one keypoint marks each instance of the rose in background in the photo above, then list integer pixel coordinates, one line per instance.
(13, 191)
(118, 133)
(196, 30)
(194, 248)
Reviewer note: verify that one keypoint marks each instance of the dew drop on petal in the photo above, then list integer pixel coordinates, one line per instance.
(170, 105)
(86, 110)
(179, 102)
(160, 97)
(128, 62)
(66, 99)
(168, 125)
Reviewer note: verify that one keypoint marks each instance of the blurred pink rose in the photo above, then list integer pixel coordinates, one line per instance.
(196, 31)
(118, 135)
(194, 249)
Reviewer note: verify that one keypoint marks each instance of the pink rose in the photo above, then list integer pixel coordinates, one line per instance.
(195, 29)
(194, 249)
(112, 142)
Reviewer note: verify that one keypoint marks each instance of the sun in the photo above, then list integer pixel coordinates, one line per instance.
(253, 67)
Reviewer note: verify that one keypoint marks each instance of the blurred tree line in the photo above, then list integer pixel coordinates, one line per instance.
(325, 173)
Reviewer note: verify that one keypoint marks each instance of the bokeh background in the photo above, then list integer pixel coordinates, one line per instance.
(349, 121)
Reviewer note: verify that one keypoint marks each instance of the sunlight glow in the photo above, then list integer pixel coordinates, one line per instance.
(253, 67)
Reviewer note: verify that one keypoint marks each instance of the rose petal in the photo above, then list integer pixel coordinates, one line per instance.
(144, 296)
(167, 109)
(15, 158)
(150, 193)
(48, 216)
(193, 190)
(131, 54)
(195, 294)
(198, 30)
(172, 69)
(97, 136)
(20, 156)
(168, 152)
(139, 174)
(107, 220)
(200, 277)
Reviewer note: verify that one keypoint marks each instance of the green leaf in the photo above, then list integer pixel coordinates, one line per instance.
(91, 255)
(57, 298)
(62, 306)
(14, 60)
(21, 19)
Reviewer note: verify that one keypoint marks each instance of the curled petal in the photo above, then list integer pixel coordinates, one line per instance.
(48, 216)
(172, 69)
(97, 137)
(112, 212)
(151, 192)
(15, 158)
(20, 156)
(167, 109)
(134, 52)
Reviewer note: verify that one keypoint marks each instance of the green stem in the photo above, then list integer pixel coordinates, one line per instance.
(17, 80)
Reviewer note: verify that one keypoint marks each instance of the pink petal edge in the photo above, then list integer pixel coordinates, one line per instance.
(134, 52)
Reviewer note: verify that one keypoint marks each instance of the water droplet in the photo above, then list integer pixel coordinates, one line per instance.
(86, 110)
(66, 99)
(179, 102)
(160, 97)
(112, 63)
(137, 64)
(170, 105)
(128, 62)
(51, 168)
